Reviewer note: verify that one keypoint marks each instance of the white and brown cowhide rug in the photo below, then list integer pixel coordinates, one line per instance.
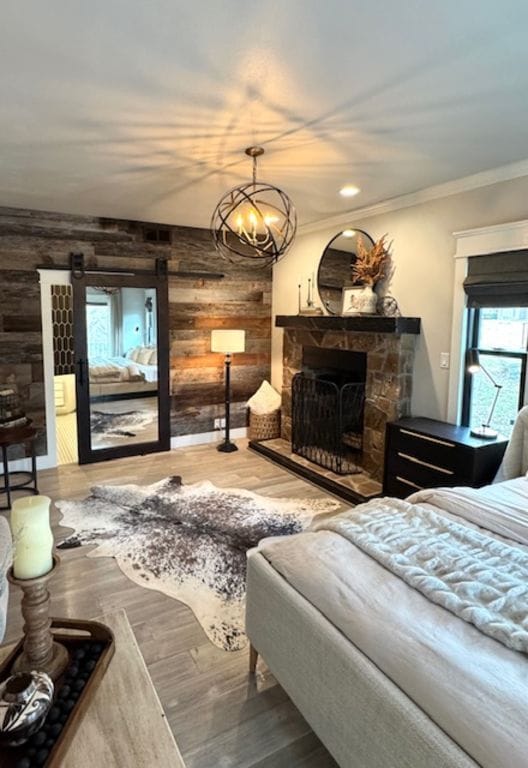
(104, 424)
(187, 541)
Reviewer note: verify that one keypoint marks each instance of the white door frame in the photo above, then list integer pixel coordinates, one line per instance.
(47, 278)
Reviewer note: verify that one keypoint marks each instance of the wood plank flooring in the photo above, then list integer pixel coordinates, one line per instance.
(220, 716)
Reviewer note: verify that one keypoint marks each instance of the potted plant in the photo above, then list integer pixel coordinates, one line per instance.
(371, 266)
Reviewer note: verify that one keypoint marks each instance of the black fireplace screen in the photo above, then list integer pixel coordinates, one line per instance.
(327, 422)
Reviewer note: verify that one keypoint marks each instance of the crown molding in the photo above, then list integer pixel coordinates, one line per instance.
(436, 192)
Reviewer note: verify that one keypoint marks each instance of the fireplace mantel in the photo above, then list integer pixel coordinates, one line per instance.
(355, 323)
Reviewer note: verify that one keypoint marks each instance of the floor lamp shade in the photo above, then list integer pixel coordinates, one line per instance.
(228, 342)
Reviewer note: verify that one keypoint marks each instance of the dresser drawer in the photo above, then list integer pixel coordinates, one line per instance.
(441, 453)
(400, 487)
(423, 473)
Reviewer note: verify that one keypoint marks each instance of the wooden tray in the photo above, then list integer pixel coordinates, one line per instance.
(78, 633)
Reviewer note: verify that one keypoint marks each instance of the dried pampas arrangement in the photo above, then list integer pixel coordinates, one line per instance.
(372, 264)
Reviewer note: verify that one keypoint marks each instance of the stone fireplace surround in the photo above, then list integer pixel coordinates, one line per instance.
(389, 344)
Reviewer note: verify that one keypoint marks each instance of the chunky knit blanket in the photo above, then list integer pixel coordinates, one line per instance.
(481, 579)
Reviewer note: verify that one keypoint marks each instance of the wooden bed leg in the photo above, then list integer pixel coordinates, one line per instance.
(253, 657)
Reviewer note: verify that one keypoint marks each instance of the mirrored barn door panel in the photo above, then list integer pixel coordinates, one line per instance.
(121, 365)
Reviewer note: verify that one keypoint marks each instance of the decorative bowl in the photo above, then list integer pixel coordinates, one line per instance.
(25, 699)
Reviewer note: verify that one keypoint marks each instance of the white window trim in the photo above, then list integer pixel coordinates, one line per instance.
(471, 243)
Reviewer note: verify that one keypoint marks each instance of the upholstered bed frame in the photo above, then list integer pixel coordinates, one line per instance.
(364, 720)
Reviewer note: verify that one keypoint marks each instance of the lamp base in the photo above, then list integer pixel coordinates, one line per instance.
(485, 433)
(227, 447)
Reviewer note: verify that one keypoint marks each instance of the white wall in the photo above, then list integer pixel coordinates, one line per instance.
(423, 250)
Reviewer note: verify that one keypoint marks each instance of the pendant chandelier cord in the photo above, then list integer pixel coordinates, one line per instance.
(254, 170)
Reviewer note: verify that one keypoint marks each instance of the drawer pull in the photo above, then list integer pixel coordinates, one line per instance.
(428, 439)
(409, 482)
(425, 464)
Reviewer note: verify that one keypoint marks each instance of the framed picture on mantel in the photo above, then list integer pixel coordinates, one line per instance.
(358, 300)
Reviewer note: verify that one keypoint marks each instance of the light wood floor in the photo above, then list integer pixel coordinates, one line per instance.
(220, 716)
(66, 431)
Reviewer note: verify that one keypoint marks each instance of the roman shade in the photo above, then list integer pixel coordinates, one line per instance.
(498, 280)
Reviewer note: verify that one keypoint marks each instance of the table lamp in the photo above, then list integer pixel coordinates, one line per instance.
(473, 365)
(228, 342)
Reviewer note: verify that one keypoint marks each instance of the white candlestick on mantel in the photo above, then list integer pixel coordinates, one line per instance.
(32, 537)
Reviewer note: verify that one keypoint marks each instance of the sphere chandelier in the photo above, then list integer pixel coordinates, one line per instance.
(254, 221)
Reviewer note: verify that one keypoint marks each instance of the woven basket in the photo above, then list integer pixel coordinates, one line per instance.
(264, 427)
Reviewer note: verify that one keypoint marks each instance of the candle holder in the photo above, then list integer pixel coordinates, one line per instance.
(41, 652)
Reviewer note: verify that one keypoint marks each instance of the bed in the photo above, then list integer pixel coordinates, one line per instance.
(137, 372)
(386, 676)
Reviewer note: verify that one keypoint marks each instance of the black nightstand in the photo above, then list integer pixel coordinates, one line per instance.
(424, 453)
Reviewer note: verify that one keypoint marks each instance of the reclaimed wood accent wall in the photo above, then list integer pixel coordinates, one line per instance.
(241, 299)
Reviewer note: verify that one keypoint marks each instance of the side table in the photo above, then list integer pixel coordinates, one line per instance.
(425, 453)
(24, 435)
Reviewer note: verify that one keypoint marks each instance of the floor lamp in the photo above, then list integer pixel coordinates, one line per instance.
(228, 342)
(473, 365)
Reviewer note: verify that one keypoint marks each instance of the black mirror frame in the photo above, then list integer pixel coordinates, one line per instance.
(339, 234)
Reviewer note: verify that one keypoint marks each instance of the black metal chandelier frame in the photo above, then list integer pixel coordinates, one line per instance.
(235, 245)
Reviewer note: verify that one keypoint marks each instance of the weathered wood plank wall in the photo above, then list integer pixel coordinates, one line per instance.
(242, 299)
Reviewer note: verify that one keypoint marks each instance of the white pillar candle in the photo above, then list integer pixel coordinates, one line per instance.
(32, 537)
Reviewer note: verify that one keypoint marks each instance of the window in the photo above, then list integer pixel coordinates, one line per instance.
(501, 336)
(99, 330)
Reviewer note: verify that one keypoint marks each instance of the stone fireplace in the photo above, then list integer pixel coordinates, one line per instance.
(389, 347)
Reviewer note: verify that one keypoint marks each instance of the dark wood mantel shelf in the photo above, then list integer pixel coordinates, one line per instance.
(356, 323)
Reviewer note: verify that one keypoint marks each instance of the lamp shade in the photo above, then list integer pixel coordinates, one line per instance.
(228, 342)
(472, 360)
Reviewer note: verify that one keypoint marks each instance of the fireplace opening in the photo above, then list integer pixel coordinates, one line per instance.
(328, 397)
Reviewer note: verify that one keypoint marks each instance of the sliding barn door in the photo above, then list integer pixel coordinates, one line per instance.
(121, 365)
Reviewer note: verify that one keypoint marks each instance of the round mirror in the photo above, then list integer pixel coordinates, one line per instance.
(335, 266)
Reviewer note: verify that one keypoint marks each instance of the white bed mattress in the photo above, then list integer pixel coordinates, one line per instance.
(471, 686)
(121, 369)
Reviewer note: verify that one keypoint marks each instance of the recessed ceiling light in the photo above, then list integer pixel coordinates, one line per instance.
(348, 233)
(349, 190)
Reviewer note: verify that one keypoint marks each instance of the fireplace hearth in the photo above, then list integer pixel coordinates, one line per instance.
(385, 345)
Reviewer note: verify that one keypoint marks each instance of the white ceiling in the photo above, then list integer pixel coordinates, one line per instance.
(142, 108)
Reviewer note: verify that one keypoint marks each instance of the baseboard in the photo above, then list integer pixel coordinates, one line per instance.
(24, 465)
(184, 441)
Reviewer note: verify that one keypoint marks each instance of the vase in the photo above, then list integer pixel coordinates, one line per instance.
(359, 300)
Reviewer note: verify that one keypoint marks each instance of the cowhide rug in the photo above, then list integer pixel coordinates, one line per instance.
(188, 542)
(105, 424)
